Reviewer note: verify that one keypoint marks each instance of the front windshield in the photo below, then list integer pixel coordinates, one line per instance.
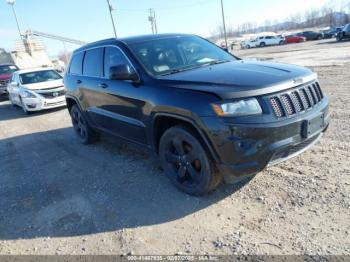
(7, 69)
(171, 55)
(39, 76)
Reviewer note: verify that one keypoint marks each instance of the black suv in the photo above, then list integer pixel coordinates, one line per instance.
(207, 114)
(344, 33)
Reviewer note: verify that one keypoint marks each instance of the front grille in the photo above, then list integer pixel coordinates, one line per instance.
(297, 100)
(53, 94)
(4, 82)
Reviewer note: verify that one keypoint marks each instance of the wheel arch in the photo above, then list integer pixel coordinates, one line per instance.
(163, 121)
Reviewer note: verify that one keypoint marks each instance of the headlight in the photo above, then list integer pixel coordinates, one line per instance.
(28, 94)
(238, 108)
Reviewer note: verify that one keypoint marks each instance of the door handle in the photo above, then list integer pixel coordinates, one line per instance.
(78, 81)
(103, 85)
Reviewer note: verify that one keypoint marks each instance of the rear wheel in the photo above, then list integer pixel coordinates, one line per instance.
(186, 161)
(81, 127)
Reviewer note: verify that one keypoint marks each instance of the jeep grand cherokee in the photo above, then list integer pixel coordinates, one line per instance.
(207, 114)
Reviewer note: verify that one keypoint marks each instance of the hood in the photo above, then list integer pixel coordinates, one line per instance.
(44, 85)
(240, 78)
(5, 76)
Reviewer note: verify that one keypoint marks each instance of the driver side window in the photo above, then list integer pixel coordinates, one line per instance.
(113, 57)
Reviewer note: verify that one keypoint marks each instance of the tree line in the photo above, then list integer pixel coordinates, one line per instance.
(330, 15)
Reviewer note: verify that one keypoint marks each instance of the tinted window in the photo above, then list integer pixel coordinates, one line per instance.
(8, 69)
(113, 57)
(39, 76)
(92, 65)
(76, 64)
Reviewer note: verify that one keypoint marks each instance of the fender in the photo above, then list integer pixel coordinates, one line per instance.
(192, 123)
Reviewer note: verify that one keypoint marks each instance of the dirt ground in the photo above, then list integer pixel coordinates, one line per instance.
(60, 197)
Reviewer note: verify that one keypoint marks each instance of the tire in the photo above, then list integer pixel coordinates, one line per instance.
(262, 44)
(85, 133)
(281, 42)
(248, 46)
(186, 162)
(339, 38)
(24, 108)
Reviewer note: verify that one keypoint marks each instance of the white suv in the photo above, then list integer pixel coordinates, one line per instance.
(269, 40)
(36, 89)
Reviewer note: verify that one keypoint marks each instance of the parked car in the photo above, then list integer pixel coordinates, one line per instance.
(331, 33)
(248, 44)
(36, 89)
(310, 35)
(294, 39)
(207, 114)
(269, 40)
(344, 33)
(6, 71)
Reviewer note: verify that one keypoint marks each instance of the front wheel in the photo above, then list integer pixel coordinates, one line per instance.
(262, 44)
(186, 162)
(81, 127)
(24, 107)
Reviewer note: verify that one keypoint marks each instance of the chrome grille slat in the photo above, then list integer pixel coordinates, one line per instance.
(295, 101)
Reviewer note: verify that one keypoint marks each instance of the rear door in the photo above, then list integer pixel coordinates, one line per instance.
(118, 106)
(90, 81)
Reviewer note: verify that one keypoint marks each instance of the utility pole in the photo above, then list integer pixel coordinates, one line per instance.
(12, 3)
(110, 8)
(153, 21)
(223, 22)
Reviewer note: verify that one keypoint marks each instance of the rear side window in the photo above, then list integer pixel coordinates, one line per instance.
(113, 57)
(92, 65)
(76, 64)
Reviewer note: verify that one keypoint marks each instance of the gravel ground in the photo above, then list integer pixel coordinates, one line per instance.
(60, 197)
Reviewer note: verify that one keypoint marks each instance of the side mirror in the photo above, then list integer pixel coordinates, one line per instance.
(14, 84)
(123, 72)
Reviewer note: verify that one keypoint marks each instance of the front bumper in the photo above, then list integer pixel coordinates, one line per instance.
(37, 104)
(244, 149)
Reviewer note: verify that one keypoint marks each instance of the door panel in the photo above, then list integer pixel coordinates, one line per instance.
(113, 105)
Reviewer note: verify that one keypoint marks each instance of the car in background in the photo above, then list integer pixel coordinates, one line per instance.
(344, 33)
(36, 89)
(294, 39)
(311, 35)
(269, 40)
(331, 33)
(248, 44)
(6, 71)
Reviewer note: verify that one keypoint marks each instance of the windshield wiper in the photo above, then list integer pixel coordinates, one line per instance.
(177, 70)
(215, 62)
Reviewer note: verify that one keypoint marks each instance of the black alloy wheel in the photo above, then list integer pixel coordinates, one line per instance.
(186, 162)
(85, 133)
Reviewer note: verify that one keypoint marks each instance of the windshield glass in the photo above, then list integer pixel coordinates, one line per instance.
(7, 69)
(171, 55)
(39, 76)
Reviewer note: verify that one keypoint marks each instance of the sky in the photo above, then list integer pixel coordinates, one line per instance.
(89, 20)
